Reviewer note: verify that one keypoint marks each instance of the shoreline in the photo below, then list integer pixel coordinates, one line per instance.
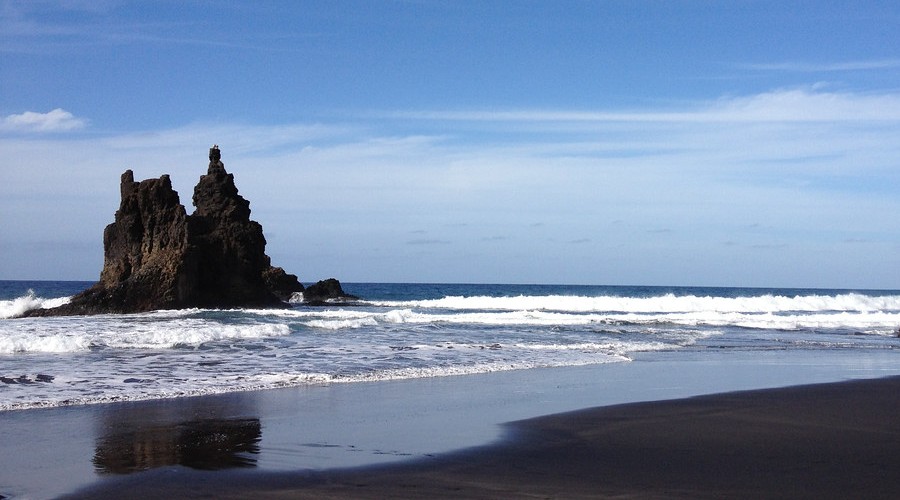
(276, 437)
(824, 440)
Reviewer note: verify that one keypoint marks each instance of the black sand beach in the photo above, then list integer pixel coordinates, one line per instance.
(838, 440)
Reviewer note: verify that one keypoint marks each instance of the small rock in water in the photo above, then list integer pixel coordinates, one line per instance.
(326, 291)
(44, 378)
(7, 380)
(137, 380)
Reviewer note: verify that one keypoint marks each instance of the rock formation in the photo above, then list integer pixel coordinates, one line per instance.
(158, 257)
(325, 291)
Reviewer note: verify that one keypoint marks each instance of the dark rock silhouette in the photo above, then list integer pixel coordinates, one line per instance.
(232, 246)
(325, 291)
(215, 155)
(282, 284)
(158, 257)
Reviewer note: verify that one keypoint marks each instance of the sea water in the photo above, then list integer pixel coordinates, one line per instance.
(408, 331)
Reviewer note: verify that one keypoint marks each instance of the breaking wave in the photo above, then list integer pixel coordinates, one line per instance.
(27, 302)
(162, 354)
(667, 303)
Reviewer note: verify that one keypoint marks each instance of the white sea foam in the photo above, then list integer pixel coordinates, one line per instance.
(149, 389)
(475, 369)
(165, 354)
(19, 305)
(167, 329)
(668, 303)
(618, 347)
(78, 334)
(865, 320)
(154, 389)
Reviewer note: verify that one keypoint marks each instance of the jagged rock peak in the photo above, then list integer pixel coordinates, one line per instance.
(216, 195)
(157, 257)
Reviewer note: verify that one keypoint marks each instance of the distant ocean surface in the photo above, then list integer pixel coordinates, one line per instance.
(403, 331)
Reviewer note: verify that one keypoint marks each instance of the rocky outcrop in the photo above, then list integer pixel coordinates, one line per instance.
(158, 257)
(233, 246)
(326, 291)
(282, 284)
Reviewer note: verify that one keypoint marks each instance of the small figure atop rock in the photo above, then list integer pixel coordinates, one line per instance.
(215, 156)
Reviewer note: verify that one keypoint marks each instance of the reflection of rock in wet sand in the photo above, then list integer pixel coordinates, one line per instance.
(201, 444)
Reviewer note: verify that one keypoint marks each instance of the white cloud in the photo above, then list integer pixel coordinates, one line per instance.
(57, 120)
(363, 187)
(806, 104)
(804, 67)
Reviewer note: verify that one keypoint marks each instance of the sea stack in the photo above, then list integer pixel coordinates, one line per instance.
(158, 257)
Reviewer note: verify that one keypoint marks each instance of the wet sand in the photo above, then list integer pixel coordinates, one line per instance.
(838, 440)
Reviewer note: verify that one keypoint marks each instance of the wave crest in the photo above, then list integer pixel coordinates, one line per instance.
(668, 303)
(20, 305)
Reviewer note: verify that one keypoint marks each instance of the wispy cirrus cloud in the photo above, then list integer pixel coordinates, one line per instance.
(807, 67)
(57, 120)
(426, 241)
(784, 105)
(38, 27)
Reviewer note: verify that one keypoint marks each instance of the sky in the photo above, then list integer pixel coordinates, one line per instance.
(608, 142)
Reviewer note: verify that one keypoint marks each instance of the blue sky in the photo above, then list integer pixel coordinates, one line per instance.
(740, 143)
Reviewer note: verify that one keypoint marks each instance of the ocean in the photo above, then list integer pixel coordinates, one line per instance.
(409, 331)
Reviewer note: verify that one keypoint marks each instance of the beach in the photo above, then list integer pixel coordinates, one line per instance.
(433, 249)
(836, 440)
(486, 435)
